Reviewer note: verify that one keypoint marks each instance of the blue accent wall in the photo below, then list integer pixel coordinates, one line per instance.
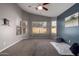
(71, 33)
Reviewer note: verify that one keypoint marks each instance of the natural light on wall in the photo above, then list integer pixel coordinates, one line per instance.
(53, 28)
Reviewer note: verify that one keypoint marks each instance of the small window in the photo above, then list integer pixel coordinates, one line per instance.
(53, 29)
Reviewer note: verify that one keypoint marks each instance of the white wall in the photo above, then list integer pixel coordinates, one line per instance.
(8, 33)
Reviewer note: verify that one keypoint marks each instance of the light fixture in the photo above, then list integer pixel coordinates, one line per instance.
(5, 21)
(40, 8)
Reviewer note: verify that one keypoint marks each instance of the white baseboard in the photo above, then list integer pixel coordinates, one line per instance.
(10, 45)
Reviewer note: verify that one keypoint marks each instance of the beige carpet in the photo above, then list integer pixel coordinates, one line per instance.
(31, 47)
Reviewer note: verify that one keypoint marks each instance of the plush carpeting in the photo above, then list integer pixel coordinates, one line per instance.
(62, 48)
(31, 47)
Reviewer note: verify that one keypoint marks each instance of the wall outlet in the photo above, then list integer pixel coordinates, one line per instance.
(69, 41)
(4, 43)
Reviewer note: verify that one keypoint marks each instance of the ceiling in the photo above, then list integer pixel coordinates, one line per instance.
(54, 9)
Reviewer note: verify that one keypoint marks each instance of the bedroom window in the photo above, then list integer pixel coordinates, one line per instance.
(72, 20)
(39, 27)
(53, 29)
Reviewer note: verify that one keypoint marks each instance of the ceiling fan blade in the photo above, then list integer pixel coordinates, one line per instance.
(45, 3)
(45, 9)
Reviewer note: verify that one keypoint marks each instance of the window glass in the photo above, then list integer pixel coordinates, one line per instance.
(71, 20)
(39, 27)
(53, 29)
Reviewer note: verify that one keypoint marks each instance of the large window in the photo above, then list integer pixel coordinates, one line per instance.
(53, 29)
(39, 27)
(71, 20)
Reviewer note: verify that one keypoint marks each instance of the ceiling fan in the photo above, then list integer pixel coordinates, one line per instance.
(41, 7)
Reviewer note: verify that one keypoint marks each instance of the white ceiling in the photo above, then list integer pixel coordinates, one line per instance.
(54, 9)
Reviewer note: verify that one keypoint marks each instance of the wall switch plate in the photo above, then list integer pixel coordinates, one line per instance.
(69, 41)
